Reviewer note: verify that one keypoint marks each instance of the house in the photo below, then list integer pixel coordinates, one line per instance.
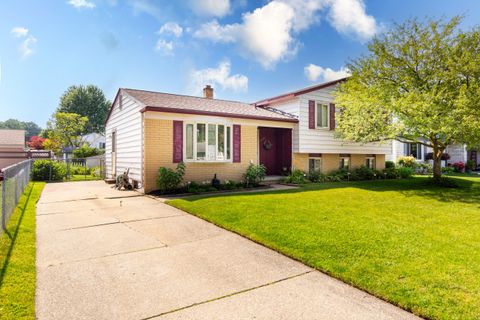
(94, 140)
(147, 130)
(12, 146)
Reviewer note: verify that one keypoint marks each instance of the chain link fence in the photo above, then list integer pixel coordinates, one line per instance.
(14, 179)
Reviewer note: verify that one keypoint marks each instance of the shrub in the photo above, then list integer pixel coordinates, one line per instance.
(79, 170)
(341, 174)
(297, 177)
(389, 164)
(407, 161)
(363, 173)
(459, 166)
(169, 180)
(48, 170)
(390, 173)
(254, 175)
(317, 176)
(448, 170)
(424, 168)
(86, 151)
(405, 172)
(470, 165)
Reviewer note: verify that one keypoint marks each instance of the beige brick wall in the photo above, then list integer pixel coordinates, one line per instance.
(158, 152)
(331, 161)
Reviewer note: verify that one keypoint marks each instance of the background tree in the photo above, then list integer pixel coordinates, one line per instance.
(65, 130)
(31, 128)
(88, 101)
(419, 83)
(36, 143)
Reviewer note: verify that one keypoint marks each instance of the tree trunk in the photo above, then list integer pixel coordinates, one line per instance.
(437, 164)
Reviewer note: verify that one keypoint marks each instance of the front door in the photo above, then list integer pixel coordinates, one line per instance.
(275, 149)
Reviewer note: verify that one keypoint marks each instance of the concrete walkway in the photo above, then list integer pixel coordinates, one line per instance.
(106, 254)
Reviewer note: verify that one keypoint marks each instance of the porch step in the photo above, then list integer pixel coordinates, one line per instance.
(110, 181)
(273, 179)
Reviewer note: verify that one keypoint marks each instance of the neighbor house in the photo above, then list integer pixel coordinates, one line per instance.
(147, 130)
(12, 146)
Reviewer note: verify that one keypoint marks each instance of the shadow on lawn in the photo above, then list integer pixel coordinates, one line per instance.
(468, 190)
(13, 239)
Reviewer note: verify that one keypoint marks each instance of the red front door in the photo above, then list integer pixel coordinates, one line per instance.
(275, 149)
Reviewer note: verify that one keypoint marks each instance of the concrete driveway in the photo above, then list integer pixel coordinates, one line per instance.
(106, 254)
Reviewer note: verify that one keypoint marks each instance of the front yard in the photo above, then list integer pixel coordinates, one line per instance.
(405, 241)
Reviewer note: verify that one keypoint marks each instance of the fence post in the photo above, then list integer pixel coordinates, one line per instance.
(4, 204)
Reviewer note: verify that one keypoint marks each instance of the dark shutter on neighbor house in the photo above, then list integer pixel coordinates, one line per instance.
(237, 142)
(332, 116)
(311, 114)
(177, 141)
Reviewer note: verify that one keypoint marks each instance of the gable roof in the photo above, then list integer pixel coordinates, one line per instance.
(293, 94)
(175, 103)
(12, 138)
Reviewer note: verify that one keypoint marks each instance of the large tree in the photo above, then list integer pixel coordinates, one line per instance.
(419, 83)
(65, 130)
(88, 101)
(31, 128)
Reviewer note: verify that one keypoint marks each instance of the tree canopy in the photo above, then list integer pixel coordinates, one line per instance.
(419, 83)
(65, 130)
(88, 101)
(31, 128)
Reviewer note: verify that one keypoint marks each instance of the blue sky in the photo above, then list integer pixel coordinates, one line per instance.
(248, 50)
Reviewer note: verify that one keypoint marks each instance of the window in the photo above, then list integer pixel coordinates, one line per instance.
(322, 115)
(370, 162)
(314, 164)
(207, 142)
(344, 163)
(414, 150)
(101, 145)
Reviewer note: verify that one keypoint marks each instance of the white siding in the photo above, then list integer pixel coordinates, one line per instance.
(127, 123)
(292, 107)
(457, 152)
(323, 140)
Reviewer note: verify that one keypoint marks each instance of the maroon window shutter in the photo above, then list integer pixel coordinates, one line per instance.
(332, 116)
(311, 114)
(177, 141)
(237, 142)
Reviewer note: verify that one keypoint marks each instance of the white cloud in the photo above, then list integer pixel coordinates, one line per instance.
(147, 7)
(19, 32)
(82, 4)
(306, 12)
(349, 16)
(218, 76)
(314, 73)
(165, 47)
(211, 8)
(264, 34)
(25, 47)
(171, 28)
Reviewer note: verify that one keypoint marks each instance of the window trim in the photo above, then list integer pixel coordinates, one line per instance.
(419, 149)
(374, 161)
(315, 158)
(207, 123)
(327, 104)
(340, 161)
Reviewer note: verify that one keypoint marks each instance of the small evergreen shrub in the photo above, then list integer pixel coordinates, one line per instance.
(448, 170)
(363, 173)
(470, 165)
(317, 176)
(48, 170)
(297, 177)
(389, 164)
(405, 172)
(169, 180)
(254, 175)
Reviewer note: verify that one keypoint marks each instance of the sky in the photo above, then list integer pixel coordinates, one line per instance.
(247, 50)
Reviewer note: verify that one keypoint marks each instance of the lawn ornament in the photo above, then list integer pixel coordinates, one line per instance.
(122, 181)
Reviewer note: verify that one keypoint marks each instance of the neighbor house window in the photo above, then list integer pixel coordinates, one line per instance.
(370, 162)
(344, 162)
(322, 115)
(414, 150)
(207, 142)
(314, 164)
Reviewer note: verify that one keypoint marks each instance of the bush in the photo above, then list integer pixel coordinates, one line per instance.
(407, 161)
(297, 177)
(169, 180)
(341, 174)
(405, 172)
(424, 168)
(48, 170)
(448, 170)
(470, 165)
(363, 173)
(459, 166)
(390, 173)
(317, 176)
(254, 175)
(86, 151)
(80, 170)
(389, 164)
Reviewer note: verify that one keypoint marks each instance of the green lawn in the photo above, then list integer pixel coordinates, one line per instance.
(17, 258)
(79, 177)
(405, 241)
